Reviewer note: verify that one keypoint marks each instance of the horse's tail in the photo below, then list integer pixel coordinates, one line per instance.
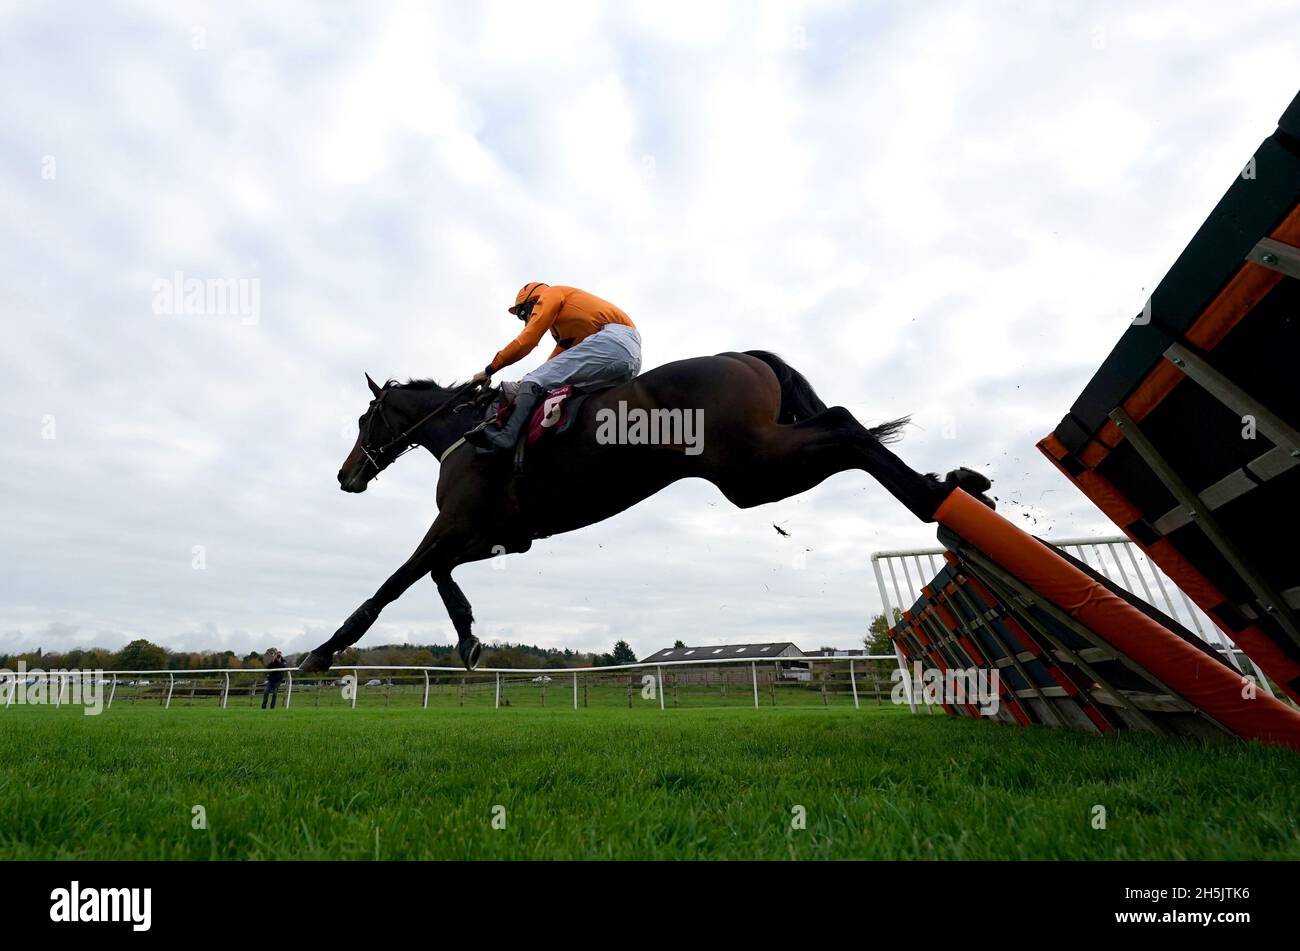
(800, 401)
(891, 431)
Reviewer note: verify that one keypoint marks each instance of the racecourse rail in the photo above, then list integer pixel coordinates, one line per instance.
(895, 582)
(10, 678)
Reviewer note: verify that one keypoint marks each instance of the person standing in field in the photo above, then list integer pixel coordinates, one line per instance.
(275, 666)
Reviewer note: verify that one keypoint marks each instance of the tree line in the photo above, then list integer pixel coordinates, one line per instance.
(145, 655)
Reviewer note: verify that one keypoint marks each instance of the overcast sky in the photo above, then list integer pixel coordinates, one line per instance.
(950, 210)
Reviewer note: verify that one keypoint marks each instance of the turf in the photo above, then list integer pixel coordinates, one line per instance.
(405, 783)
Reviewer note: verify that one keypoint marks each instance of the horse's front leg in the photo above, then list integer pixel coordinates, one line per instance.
(361, 620)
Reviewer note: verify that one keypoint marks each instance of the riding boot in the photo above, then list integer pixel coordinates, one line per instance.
(478, 435)
(496, 438)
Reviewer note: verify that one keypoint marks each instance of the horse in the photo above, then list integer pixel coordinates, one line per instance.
(764, 435)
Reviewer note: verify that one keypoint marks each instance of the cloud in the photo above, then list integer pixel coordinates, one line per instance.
(929, 209)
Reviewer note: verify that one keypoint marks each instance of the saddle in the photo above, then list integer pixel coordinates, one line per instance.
(554, 415)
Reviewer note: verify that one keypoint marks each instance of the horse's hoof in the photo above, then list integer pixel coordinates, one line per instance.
(972, 483)
(315, 663)
(969, 480)
(470, 651)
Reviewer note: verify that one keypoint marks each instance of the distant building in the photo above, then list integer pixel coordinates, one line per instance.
(704, 673)
(674, 655)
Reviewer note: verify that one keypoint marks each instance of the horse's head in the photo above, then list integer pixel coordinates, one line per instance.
(376, 446)
(404, 415)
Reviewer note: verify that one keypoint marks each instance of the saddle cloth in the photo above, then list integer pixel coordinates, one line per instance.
(554, 414)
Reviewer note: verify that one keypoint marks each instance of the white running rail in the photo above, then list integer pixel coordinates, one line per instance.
(59, 679)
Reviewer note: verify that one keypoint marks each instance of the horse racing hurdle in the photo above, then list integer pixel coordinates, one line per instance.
(1070, 647)
(1188, 438)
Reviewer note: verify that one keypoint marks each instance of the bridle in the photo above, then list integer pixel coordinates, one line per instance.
(403, 438)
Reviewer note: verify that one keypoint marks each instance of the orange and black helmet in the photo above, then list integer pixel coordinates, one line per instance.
(524, 300)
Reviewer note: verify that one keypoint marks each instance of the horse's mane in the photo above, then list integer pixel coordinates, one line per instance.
(422, 385)
(484, 394)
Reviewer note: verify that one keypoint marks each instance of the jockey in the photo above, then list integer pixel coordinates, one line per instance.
(596, 344)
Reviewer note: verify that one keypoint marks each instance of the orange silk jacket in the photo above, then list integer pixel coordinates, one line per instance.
(569, 314)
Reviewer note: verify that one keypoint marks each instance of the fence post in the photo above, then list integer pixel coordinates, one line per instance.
(854, 681)
(288, 697)
(498, 701)
(753, 673)
(907, 676)
(426, 690)
(225, 691)
(58, 695)
(660, 672)
(575, 690)
(171, 685)
(356, 687)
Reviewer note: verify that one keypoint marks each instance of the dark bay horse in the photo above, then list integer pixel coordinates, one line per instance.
(764, 436)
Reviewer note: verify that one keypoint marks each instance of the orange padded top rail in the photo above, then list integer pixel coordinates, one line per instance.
(1210, 685)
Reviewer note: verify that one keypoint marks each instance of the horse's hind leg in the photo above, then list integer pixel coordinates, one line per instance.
(462, 617)
(921, 493)
(794, 458)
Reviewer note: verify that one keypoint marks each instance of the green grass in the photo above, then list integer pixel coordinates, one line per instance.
(405, 783)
